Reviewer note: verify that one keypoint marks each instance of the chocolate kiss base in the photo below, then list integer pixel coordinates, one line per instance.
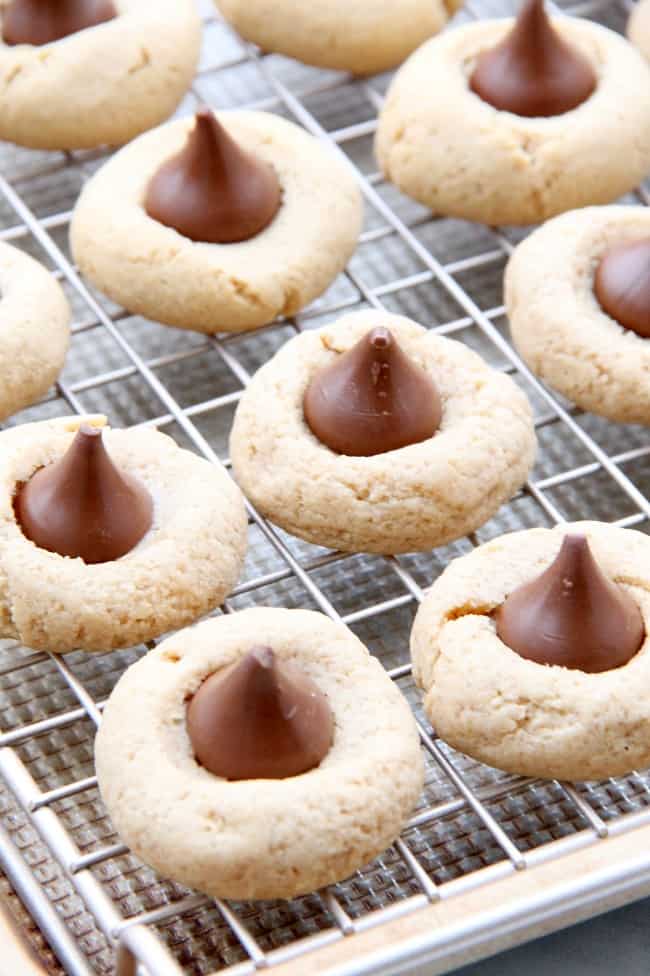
(260, 719)
(622, 285)
(572, 615)
(372, 399)
(43, 21)
(533, 72)
(83, 506)
(213, 191)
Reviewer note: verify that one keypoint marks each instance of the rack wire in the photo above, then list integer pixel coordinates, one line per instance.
(97, 904)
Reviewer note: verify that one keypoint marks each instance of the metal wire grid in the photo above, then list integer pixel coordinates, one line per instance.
(469, 816)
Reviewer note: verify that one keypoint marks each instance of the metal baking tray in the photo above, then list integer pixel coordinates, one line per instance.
(487, 859)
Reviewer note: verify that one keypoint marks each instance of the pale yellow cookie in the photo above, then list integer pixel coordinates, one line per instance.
(509, 712)
(359, 36)
(34, 321)
(154, 271)
(638, 28)
(104, 84)
(183, 567)
(557, 323)
(414, 498)
(443, 145)
(263, 838)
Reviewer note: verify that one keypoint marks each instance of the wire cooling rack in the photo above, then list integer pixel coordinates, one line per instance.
(476, 831)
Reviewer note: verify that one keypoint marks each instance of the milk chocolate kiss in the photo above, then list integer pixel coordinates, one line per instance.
(622, 285)
(44, 21)
(83, 505)
(372, 399)
(572, 615)
(533, 71)
(214, 191)
(261, 719)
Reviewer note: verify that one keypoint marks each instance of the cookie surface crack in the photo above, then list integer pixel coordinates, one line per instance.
(467, 610)
(13, 74)
(143, 62)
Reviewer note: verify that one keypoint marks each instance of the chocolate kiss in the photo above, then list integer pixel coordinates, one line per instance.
(43, 21)
(533, 71)
(572, 615)
(83, 506)
(622, 285)
(260, 719)
(213, 191)
(372, 399)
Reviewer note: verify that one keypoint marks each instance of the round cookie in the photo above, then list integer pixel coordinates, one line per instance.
(154, 271)
(359, 36)
(638, 28)
(259, 838)
(463, 158)
(105, 84)
(417, 497)
(509, 712)
(183, 567)
(34, 320)
(557, 323)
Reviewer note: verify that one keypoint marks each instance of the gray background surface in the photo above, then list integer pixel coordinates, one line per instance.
(618, 942)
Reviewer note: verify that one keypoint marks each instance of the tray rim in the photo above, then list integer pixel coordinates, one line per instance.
(524, 905)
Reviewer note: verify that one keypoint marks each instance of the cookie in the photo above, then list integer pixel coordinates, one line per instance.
(183, 566)
(462, 157)
(517, 714)
(638, 28)
(34, 319)
(415, 497)
(153, 270)
(557, 323)
(362, 36)
(101, 85)
(258, 838)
